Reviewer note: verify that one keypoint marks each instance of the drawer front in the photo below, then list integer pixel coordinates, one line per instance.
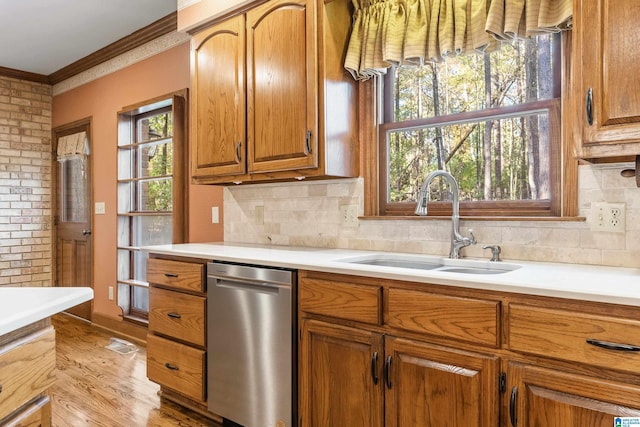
(360, 303)
(563, 334)
(176, 274)
(178, 315)
(176, 366)
(36, 414)
(464, 319)
(26, 369)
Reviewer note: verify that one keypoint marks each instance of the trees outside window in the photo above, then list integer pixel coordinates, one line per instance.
(492, 120)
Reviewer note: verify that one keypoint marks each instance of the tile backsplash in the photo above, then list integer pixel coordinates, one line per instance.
(311, 214)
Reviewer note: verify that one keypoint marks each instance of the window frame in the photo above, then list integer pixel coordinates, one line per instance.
(128, 132)
(563, 174)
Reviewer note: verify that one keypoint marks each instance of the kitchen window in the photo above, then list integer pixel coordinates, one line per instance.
(150, 194)
(492, 120)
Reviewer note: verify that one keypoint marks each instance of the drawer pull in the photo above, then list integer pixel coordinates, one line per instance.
(0, 388)
(512, 407)
(174, 315)
(374, 363)
(613, 345)
(171, 366)
(173, 275)
(387, 371)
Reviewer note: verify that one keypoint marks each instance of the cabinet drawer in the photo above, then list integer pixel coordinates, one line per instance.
(176, 366)
(563, 334)
(176, 274)
(361, 303)
(26, 369)
(178, 315)
(36, 414)
(465, 319)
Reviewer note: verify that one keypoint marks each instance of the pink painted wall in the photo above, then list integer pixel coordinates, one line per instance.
(101, 100)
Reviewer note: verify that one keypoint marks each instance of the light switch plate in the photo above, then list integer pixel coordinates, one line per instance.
(100, 208)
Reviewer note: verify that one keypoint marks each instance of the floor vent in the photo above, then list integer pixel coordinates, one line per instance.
(121, 346)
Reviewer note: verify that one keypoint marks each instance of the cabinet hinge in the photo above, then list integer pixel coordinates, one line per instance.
(502, 382)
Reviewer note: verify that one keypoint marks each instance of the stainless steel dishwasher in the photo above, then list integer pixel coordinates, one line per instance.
(251, 345)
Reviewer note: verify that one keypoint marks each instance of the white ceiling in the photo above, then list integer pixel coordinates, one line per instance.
(43, 36)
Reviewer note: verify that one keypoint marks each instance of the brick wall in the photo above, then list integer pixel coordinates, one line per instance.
(25, 183)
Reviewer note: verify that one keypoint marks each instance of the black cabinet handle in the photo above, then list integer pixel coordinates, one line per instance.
(374, 371)
(170, 275)
(589, 106)
(174, 315)
(171, 366)
(613, 345)
(238, 152)
(0, 388)
(512, 407)
(308, 142)
(387, 371)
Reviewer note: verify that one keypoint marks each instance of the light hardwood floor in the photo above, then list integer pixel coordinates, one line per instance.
(99, 387)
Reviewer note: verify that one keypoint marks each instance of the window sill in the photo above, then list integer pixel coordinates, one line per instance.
(477, 218)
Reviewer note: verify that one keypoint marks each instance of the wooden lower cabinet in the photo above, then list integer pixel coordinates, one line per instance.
(352, 377)
(428, 385)
(340, 380)
(551, 398)
(400, 354)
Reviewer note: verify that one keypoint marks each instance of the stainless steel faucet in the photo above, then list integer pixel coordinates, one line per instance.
(458, 241)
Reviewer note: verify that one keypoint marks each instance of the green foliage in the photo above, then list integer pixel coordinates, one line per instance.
(491, 159)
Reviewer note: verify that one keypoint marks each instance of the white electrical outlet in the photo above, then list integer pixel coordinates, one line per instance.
(349, 215)
(608, 217)
(215, 215)
(110, 293)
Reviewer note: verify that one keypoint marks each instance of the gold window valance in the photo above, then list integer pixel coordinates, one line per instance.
(387, 32)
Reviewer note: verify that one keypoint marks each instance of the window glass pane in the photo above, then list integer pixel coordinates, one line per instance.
(155, 195)
(514, 165)
(72, 182)
(156, 159)
(159, 126)
(123, 231)
(152, 230)
(125, 197)
(125, 163)
(140, 265)
(124, 269)
(140, 299)
(517, 73)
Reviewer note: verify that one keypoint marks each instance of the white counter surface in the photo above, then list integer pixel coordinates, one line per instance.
(574, 281)
(22, 306)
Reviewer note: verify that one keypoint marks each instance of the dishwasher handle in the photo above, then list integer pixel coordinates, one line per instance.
(244, 285)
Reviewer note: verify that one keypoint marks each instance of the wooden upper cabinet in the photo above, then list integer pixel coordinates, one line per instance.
(298, 105)
(605, 55)
(282, 91)
(218, 100)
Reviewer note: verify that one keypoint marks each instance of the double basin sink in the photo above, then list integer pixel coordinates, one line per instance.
(463, 266)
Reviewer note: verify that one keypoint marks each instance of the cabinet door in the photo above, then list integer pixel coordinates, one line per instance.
(340, 381)
(606, 55)
(282, 86)
(543, 397)
(218, 100)
(432, 386)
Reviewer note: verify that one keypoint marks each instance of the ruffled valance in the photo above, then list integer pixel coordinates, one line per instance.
(387, 32)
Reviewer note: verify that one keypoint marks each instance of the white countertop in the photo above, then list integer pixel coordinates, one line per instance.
(574, 281)
(22, 306)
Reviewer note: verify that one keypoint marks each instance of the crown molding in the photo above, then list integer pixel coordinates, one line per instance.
(23, 75)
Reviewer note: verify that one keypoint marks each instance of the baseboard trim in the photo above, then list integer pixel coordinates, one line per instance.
(119, 327)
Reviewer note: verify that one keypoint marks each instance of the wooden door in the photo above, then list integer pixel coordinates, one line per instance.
(218, 100)
(605, 57)
(544, 397)
(340, 376)
(73, 250)
(282, 88)
(432, 386)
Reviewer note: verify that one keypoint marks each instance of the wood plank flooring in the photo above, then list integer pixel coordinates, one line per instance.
(99, 387)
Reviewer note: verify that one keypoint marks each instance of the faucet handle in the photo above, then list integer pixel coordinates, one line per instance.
(495, 252)
(472, 239)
